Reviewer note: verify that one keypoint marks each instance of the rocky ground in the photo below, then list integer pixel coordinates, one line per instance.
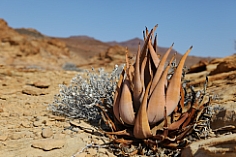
(29, 129)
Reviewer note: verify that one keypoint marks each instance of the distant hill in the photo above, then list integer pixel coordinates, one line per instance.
(84, 46)
(88, 47)
(132, 45)
(27, 46)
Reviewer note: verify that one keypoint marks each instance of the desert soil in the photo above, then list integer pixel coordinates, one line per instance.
(28, 128)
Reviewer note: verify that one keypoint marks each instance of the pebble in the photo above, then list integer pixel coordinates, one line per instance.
(25, 124)
(34, 91)
(49, 123)
(47, 132)
(58, 118)
(41, 84)
(37, 123)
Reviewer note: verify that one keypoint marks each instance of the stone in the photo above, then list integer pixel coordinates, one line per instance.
(48, 144)
(33, 91)
(58, 118)
(47, 132)
(228, 64)
(25, 124)
(41, 84)
(199, 67)
(223, 146)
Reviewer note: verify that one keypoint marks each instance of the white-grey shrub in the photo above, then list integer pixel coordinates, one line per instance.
(79, 99)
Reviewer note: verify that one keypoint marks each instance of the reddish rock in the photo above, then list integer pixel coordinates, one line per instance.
(29, 47)
(228, 64)
(200, 66)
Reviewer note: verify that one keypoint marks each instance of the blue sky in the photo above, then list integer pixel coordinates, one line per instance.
(208, 25)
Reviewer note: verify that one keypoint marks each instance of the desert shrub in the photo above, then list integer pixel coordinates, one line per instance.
(91, 87)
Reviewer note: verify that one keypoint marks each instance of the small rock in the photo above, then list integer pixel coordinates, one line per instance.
(47, 132)
(67, 125)
(41, 84)
(223, 146)
(25, 124)
(58, 118)
(48, 144)
(37, 123)
(34, 91)
(49, 123)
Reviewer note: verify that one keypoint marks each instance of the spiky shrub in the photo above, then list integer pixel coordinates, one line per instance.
(152, 108)
(152, 103)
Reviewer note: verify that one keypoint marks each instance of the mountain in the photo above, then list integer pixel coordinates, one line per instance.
(84, 46)
(132, 45)
(28, 47)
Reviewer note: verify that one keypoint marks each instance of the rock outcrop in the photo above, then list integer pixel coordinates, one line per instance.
(29, 47)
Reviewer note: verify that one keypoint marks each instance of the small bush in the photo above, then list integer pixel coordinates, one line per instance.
(79, 99)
